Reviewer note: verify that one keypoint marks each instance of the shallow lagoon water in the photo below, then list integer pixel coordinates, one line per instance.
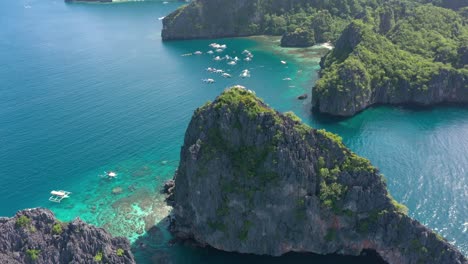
(88, 88)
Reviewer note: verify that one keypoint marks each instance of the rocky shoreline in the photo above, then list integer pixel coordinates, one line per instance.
(36, 236)
(252, 180)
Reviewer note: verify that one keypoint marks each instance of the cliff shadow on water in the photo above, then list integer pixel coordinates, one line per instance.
(158, 246)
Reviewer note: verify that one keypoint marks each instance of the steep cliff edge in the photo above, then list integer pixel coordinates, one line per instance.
(395, 56)
(36, 236)
(253, 180)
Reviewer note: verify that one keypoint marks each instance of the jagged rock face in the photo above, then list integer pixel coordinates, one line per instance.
(252, 180)
(36, 236)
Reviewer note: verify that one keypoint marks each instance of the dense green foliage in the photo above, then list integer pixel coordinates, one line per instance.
(57, 229)
(98, 257)
(397, 46)
(23, 221)
(120, 252)
(33, 254)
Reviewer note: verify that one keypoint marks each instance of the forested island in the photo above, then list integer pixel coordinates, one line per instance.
(397, 52)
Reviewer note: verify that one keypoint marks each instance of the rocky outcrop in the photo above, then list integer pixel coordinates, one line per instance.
(447, 86)
(253, 180)
(298, 38)
(36, 236)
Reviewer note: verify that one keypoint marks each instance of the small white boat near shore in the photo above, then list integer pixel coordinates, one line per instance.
(58, 196)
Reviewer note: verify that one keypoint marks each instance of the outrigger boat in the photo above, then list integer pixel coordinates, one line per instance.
(58, 196)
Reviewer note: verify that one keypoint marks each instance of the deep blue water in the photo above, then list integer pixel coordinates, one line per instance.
(89, 87)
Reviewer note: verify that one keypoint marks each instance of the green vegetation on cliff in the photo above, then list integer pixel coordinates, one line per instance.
(396, 54)
(253, 180)
(319, 20)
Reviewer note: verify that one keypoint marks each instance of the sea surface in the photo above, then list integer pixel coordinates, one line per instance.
(88, 88)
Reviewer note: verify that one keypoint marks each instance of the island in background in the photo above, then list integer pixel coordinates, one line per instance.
(399, 52)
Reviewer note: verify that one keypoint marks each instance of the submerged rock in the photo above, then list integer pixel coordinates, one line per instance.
(252, 180)
(302, 96)
(117, 190)
(36, 236)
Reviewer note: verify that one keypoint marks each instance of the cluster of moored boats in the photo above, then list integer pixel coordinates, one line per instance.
(216, 48)
(230, 60)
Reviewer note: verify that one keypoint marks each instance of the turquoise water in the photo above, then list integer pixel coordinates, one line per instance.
(87, 88)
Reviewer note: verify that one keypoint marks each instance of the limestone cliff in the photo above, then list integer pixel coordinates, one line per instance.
(395, 61)
(253, 180)
(36, 236)
(321, 21)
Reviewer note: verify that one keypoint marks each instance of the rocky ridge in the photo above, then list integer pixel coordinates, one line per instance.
(253, 180)
(36, 236)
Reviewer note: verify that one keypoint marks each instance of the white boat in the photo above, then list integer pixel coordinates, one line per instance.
(248, 59)
(218, 71)
(219, 50)
(217, 58)
(245, 74)
(226, 75)
(161, 18)
(58, 196)
(232, 63)
(210, 52)
(287, 79)
(208, 81)
(236, 58)
(245, 52)
(283, 62)
(111, 174)
(198, 52)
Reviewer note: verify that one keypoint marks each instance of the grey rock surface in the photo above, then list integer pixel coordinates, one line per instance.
(36, 236)
(253, 180)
